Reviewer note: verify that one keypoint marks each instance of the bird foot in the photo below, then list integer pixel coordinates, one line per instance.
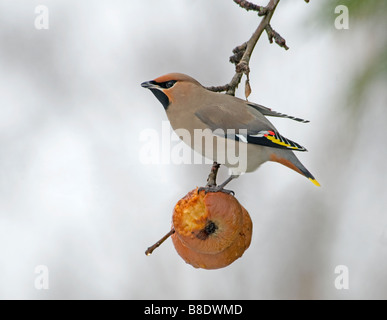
(215, 189)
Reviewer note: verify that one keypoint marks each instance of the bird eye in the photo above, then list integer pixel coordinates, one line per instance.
(169, 84)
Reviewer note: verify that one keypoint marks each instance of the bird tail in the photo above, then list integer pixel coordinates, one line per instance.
(289, 159)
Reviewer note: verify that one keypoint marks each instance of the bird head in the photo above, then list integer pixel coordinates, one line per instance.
(171, 87)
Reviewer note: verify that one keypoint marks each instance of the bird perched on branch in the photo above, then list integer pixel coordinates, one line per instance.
(225, 121)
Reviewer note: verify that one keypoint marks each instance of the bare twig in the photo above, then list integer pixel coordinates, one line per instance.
(238, 53)
(242, 54)
(242, 67)
(277, 38)
(219, 88)
(211, 180)
(251, 6)
(149, 251)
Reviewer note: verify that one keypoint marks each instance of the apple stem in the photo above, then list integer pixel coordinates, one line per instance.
(211, 180)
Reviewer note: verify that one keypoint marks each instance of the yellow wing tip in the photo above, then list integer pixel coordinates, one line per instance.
(315, 182)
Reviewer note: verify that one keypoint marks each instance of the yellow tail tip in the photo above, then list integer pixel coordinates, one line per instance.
(315, 182)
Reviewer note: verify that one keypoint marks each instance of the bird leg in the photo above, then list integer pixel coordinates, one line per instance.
(211, 181)
(221, 186)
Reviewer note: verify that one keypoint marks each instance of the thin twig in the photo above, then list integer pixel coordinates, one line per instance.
(149, 251)
(242, 54)
(238, 53)
(219, 88)
(277, 37)
(211, 180)
(243, 66)
(251, 6)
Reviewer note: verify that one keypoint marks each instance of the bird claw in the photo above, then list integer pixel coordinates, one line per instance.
(215, 189)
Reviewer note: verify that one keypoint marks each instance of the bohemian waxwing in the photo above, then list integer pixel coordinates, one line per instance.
(227, 122)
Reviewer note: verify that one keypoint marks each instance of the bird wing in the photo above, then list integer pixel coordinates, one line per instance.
(244, 124)
(268, 112)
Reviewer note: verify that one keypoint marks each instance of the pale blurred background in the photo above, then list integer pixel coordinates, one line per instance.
(75, 197)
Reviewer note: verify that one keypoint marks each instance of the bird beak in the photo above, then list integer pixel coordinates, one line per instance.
(149, 84)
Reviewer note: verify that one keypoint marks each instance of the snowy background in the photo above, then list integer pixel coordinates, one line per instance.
(75, 197)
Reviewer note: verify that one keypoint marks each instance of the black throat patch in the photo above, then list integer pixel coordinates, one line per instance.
(162, 97)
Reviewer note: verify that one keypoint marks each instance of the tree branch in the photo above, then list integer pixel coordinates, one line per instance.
(149, 251)
(242, 67)
(277, 38)
(219, 88)
(211, 180)
(251, 6)
(242, 54)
